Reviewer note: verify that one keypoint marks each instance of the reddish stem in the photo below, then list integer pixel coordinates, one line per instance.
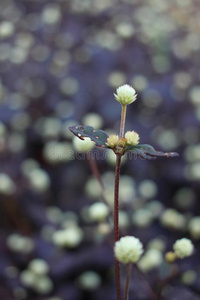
(116, 223)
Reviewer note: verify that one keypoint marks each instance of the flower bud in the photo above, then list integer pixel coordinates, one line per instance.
(132, 138)
(183, 248)
(128, 249)
(112, 140)
(170, 257)
(125, 94)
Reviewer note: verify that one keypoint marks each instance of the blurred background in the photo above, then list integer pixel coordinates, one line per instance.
(60, 63)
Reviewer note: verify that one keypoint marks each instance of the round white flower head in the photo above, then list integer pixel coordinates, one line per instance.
(128, 249)
(183, 247)
(125, 94)
(112, 140)
(132, 138)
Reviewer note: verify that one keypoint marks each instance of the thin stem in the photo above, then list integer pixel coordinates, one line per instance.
(173, 272)
(116, 223)
(94, 168)
(146, 282)
(123, 119)
(128, 272)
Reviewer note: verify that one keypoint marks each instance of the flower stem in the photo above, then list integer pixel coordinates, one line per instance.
(123, 119)
(172, 274)
(116, 223)
(128, 272)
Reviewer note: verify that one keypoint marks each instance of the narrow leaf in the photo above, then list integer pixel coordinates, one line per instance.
(149, 151)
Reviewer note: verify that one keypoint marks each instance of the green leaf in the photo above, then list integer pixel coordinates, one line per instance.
(97, 136)
(148, 152)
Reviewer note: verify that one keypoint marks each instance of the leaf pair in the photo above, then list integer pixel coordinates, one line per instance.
(99, 137)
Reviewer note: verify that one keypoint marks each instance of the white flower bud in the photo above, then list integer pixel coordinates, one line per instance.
(128, 249)
(183, 248)
(98, 211)
(132, 138)
(112, 140)
(125, 94)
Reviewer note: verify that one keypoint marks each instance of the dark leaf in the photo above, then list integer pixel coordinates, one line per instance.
(142, 154)
(148, 152)
(97, 136)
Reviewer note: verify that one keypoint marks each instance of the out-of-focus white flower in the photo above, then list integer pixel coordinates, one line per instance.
(98, 211)
(142, 217)
(19, 243)
(39, 180)
(89, 280)
(7, 186)
(128, 249)
(125, 94)
(173, 219)
(152, 259)
(132, 138)
(83, 145)
(194, 227)
(183, 247)
(69, 237)
(39, 266)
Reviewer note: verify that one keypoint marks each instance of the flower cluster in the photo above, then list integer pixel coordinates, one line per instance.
(131, 139)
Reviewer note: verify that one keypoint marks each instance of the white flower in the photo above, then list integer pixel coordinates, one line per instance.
(112, 140)
(132, 138)
(69, 237)
(183, 247)
(128, 249)
(98, 211)
(125, 94)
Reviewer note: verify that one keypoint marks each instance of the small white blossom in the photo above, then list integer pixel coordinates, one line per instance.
(183, 247)
(132, 138)
(125, 94)
(112, 140)
(128, 249)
